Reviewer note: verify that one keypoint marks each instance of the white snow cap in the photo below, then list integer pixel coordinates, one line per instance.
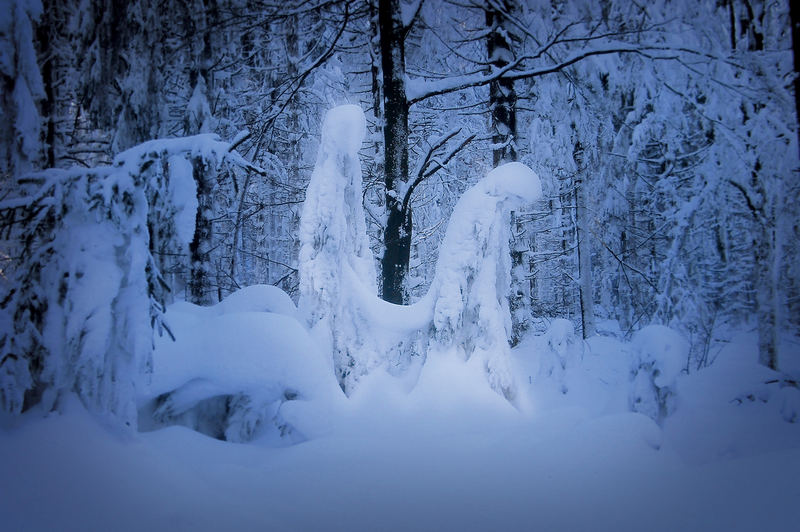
(513, 181)
(344, 129)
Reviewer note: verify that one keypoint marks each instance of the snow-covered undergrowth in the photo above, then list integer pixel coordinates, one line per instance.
(436, 457)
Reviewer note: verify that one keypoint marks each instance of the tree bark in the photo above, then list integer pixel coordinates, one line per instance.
(794, 12)
(200, 248)
(767, 296)
(502, 96)
(584, 249)
(503, 109)
(584, 266)
(44, 34)
(397, 234)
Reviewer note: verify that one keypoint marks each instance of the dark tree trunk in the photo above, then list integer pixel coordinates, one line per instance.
(502, 96)
(44, 33)
(503, 107)
(397, 234)
(766, 268)
(377, 86)
(794, 11)
(200, 248)
(585, 281)
(112, 34)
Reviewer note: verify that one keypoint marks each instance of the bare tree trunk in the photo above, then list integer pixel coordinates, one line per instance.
(584, 257)
(502, 96)
(503, 108)
(200, 248)
(397, 234)
(767, 296)
(794, 12)
(44, 34)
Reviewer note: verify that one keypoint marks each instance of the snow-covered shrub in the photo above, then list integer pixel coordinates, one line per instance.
(560, 353)
(780, 392)
(86, 292)
(659, 356)
(789, 397)
(561, 340)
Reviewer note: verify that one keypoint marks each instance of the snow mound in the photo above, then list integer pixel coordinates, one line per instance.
(257, 362)
(240, 351)
(663, 348)
(258, 298)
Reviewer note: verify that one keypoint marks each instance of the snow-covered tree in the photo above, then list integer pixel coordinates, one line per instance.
(469, 292)
(465, 309)
(86, 293)
(22, 89)
(334, 245)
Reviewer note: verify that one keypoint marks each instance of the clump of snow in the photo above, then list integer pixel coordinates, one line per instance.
(198, 111)
(343, 130)
(512, 182)
(659, 356)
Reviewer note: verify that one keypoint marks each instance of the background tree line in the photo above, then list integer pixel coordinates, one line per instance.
(666, 136)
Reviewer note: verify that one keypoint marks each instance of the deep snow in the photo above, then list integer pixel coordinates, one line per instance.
(451, 454)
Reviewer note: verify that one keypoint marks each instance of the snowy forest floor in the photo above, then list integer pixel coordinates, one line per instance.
(440, 457)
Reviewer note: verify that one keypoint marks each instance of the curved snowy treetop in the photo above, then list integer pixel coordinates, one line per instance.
(512, 181)
(470, 307)
(344, 129)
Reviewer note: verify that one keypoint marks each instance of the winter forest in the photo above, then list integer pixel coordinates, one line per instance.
(399, 265)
